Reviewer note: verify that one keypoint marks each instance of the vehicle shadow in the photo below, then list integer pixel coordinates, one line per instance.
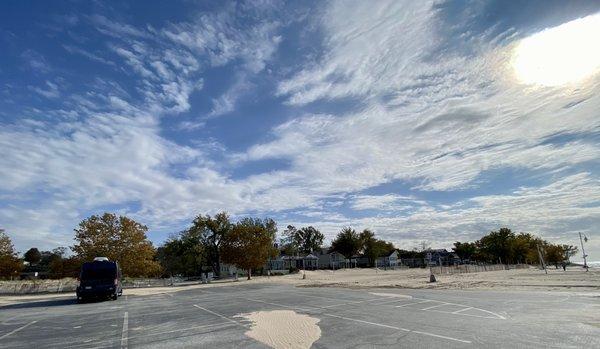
(40, 304)
(49, 303)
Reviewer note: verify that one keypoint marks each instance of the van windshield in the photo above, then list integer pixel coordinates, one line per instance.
(98, 272)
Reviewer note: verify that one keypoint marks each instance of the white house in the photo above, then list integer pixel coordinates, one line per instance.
(390, 260)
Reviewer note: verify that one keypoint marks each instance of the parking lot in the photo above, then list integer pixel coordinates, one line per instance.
(357, 318)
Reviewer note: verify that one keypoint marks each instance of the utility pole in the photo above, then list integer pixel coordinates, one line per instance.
(541, 258)
(583, 251)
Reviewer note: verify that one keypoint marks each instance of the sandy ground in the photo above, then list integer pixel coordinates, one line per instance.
(283, 329)
(573, 280)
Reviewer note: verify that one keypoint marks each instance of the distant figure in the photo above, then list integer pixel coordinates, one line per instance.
(564, 265)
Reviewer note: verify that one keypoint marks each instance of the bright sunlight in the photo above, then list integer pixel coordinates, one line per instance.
(560, 55)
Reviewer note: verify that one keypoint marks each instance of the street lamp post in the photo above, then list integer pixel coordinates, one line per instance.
(583, 251)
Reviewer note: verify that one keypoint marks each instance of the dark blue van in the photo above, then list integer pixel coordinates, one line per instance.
(99, 279)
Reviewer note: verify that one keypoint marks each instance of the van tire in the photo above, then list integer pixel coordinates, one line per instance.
(114, 297)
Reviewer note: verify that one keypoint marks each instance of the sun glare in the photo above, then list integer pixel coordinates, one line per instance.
(560, 55)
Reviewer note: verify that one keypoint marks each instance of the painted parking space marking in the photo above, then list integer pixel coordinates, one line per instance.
(124, 331)
(221, 316)
(464, 310)
(461, 310)
(435, 306)
(407, 304)
(18, 329)
(361, 321)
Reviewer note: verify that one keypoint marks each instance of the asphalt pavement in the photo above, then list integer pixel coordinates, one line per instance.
(349, 318)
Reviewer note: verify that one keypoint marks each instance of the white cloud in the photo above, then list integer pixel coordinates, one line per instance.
(557, 210)
(436, 120)
(117, 29)
(385, 202)
(48, 91)
(226, 103)
(36, 61)
(87, 54)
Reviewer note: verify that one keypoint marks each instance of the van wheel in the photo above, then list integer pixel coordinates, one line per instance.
(114, 297)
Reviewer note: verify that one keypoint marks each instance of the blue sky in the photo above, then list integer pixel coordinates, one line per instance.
(405, 117)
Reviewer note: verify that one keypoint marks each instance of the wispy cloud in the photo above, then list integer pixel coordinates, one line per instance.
(36, 61)
(87, 54)
(48, 90)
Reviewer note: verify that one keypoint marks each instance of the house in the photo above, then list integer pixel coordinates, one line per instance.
(413, 262)
(389, 260)
(442, 256)
(310, 261)
(285, 262)
(359, 261)
(331, 259)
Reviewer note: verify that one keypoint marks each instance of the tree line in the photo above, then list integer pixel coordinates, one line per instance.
(505, 246)
(248, 244)
(210, 241)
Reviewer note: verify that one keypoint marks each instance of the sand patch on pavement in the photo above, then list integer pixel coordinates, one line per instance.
(281, 329)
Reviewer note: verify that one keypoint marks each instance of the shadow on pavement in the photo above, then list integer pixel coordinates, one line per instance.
(40, 304)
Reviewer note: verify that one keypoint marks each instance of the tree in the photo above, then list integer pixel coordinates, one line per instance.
(61, 266)
(497, 245)
(249, 244)
(33, 256)
(554, 254)
(374, 248)
(306, 240)
(10, 265)
(569, 251)
(347, 242)
(212, 232)
(120, 239)
(290, 243)
(182, 254)
(465, 250)
(310, 239)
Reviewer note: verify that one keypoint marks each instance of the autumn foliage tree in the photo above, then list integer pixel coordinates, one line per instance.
(249, 244)
(120, 239)
(10, 265)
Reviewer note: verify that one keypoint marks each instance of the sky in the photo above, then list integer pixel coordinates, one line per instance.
(433, 121)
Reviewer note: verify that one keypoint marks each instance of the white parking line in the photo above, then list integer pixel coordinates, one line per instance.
(364, 322)
(221, 316)
(435, 306)
(461, 310)
(458, 312)
(18, 329)
(124, 332)
(399, 328)
(108, 343)
(407, 304)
